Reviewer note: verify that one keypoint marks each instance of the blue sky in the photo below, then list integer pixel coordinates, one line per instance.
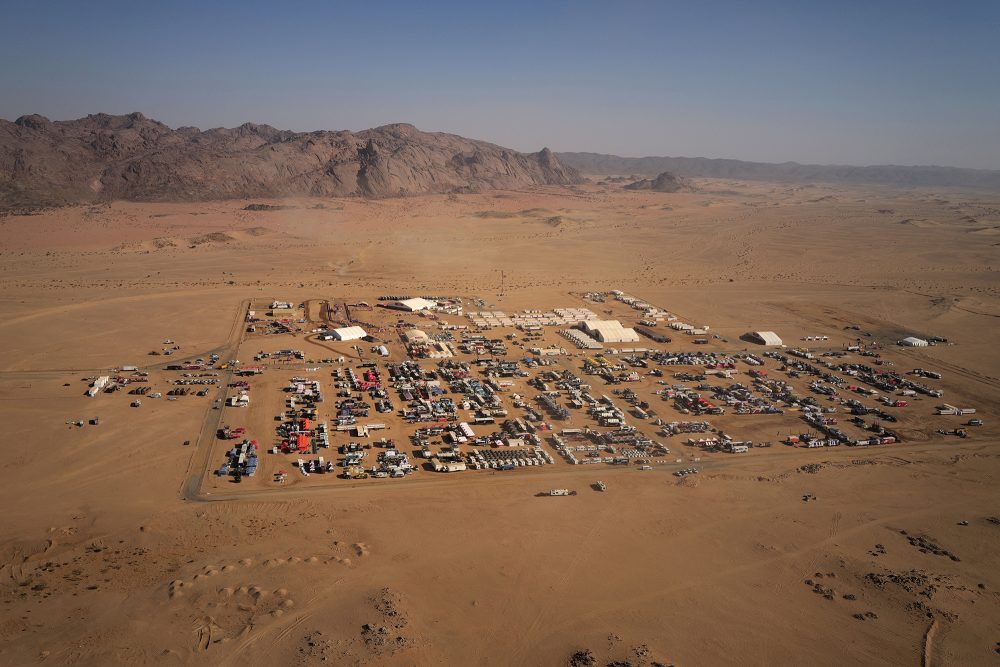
(840, 82)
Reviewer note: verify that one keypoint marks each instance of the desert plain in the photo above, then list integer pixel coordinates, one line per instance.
(120, 548)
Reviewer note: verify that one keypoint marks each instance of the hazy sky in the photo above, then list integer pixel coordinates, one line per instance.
(871, 82)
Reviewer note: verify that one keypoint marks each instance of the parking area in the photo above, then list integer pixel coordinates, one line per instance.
(435, 390)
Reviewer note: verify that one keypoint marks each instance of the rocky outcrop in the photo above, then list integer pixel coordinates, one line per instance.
(132, 157)
(665, 182)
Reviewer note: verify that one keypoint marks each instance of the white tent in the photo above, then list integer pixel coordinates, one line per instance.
(415, 336)
(768, 338)
(413, 305)
(346, 333)
(609, 331)
(913, 341)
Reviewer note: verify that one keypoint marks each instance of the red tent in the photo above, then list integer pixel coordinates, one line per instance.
(306, 424)
(302, 442)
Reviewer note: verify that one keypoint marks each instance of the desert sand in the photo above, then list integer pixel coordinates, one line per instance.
(118, 549)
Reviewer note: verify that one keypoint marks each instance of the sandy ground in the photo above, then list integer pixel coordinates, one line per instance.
(105, 562)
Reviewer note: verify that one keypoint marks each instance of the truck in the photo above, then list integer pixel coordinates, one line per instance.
(356, 472)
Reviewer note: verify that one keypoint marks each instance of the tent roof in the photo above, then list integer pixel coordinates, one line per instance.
(768, 337)
(416, 335)
(417, 303)
(350, 332)
(913, 340)
(611, 331)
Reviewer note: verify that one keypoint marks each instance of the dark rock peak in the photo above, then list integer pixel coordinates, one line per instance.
(547, 157)
(104, 121)
(401, 129)
(254, 129)
(368, 150)
(33, 121)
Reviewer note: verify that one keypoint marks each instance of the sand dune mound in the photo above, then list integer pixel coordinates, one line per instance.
(508, 215)
(251, 235)
(495, 215)
(212, 237)
(267, 207)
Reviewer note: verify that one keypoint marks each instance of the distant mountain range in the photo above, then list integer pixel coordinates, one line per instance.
(792, 172)
(103, 157)
(132, 157)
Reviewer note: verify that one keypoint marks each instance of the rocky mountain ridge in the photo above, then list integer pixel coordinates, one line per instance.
(131, 157)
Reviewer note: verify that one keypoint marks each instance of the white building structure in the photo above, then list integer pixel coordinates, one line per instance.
(344, 333)
(768, 338)
(413, 305)
(608, 331)
(913, 341)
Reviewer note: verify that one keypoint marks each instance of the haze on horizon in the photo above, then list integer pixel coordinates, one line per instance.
(845, 83)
